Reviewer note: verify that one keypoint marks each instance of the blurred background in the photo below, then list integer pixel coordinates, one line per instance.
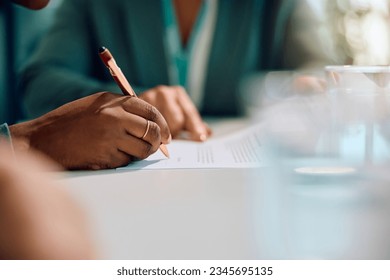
(350, 32)
(20, 32)
(360, 29)
(354, 31)
(346, 210)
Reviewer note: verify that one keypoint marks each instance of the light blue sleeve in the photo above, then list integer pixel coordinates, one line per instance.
(4, 132)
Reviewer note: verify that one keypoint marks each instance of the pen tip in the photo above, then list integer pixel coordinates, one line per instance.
(164, 150)
(102, 49)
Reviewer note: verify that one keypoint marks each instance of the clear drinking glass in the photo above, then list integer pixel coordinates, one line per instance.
(326, 194)
(360, 108)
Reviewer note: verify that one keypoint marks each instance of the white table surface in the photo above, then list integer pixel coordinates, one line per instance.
(231, 214)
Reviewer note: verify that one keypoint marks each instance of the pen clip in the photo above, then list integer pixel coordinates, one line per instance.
(120, 79)
(111, 72)
(116, 72)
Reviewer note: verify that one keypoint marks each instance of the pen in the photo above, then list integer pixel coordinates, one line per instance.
(122, 82)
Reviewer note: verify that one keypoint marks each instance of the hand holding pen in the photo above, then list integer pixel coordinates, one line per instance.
(173, 102)
(99, 131)
(124, 85)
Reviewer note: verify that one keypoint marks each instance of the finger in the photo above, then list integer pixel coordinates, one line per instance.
(208, 128)
(143, 109)
(151, 133)
(193, 121)
(149, 96)
(122, 159)
(171, 110)
(117, 159)
(143, 129)
(164, 98)
(134, 124)
(136, 147)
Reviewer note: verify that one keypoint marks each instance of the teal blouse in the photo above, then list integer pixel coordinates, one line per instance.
(248, 38)
(178, 56)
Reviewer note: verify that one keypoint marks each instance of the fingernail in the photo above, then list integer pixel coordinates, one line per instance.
(203, 137)
(169, 138)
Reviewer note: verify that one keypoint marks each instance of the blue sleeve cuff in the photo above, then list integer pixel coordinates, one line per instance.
(4, 132)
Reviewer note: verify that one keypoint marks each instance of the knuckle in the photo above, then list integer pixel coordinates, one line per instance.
(179, 120)
(147, 96)
(166, 96)
(104, 94)
(107, 96)
(152, 112)
(161, 88)
(154, 132)
(147, 149)
(179, 89)
(176, 127)
(131, 101)
(122, 160)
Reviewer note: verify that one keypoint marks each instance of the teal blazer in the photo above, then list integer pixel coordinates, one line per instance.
(249, 37)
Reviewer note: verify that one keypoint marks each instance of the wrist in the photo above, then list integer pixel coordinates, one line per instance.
(21, 134)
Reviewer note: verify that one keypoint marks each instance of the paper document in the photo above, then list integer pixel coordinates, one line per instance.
(241, 149)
